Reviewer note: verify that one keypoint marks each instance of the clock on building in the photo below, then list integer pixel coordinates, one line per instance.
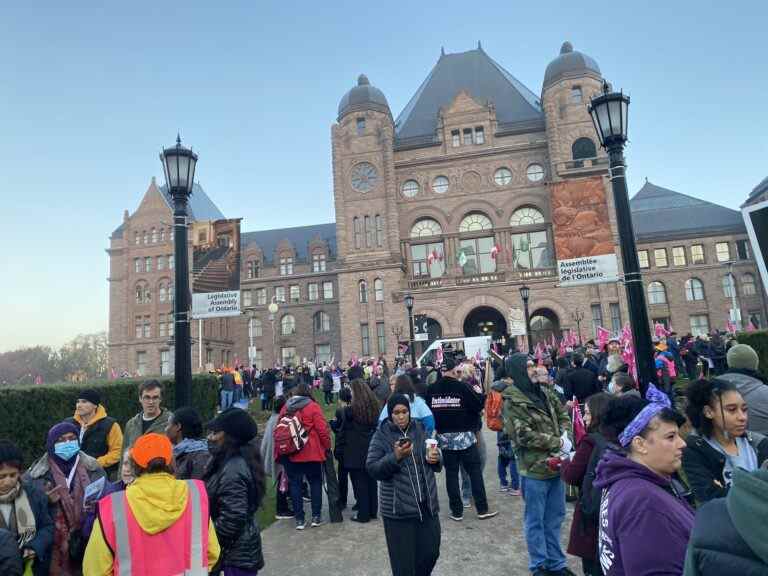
(364, 177)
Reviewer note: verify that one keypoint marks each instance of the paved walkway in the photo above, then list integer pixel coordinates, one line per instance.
(493, 547)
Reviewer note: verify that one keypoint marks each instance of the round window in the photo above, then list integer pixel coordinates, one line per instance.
(440, 184)
(410, 188)
(503, 176)
(535, 172)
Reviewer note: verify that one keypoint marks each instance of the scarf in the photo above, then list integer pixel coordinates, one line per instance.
(65, 466)
(189, 445)
(72, 498)
(22, 520)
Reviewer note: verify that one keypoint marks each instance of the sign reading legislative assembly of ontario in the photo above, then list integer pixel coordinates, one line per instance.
(215, 268)
(583, 242)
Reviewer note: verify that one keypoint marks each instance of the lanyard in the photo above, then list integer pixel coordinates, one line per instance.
(72, 472)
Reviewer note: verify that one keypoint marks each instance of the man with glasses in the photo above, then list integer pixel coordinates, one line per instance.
(153, 418)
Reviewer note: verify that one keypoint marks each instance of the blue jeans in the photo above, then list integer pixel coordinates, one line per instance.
(314, 474)
(514, 478)
(227, 397)
(544, 515)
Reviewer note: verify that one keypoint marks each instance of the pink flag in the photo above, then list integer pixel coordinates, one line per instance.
(495, 251)
(478, 357)
(750, 327)
(579, 429)
(439, 357)
(603, 336)
(354, 359)
(554, 341)
(660, 331)
(730, 327)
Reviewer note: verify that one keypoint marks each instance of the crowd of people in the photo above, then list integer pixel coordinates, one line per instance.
(670, 481)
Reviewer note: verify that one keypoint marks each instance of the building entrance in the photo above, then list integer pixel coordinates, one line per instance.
(486, 321)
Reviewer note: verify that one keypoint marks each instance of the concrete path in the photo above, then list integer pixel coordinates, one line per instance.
(493, 547)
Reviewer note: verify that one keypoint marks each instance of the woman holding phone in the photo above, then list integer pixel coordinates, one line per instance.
(404, 460)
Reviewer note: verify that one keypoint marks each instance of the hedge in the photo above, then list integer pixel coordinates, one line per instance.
(758, 341)
(28, 412)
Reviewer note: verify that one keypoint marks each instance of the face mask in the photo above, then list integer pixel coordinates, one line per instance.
(66, 450)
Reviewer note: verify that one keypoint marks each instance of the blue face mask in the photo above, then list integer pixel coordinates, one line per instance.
(66, 450)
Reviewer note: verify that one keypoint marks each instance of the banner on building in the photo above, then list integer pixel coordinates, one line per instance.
(583, 241)
(420, 328)
(756, 220)
(215, 268)
(216, 304)
(516, 322)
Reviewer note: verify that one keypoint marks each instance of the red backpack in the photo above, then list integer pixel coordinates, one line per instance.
(289, 436)
(493, 405)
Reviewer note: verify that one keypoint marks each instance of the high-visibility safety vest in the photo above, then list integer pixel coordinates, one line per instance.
(180, 550)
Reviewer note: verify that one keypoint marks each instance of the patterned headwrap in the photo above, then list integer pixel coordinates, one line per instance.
(658, 402)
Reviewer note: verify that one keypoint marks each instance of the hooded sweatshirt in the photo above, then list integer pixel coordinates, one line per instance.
(313, 421)
(102, 438)
(157, 501)
(644, 527)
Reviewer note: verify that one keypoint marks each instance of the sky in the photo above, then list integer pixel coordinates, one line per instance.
(90, 92)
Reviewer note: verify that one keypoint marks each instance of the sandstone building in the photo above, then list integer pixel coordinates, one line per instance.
(457, 201)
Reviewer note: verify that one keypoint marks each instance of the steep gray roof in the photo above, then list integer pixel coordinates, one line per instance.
(299, 237)
(662, 213)
(478, 74)
(758, 190)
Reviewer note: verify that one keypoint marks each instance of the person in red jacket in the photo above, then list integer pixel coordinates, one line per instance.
(308, 462)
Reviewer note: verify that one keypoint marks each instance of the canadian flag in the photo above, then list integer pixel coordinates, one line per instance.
(495, 251)
(434, 256)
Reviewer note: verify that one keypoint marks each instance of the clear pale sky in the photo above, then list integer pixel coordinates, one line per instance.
(90, 92)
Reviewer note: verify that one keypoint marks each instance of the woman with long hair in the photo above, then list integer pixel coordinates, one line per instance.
(236, 485)
(645, 519)
(583, 537)
(359, 422)
(24, 512)
(721, 443)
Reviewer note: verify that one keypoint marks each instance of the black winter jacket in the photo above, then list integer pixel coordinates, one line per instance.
(703, 465)
(406, 483)
(232, 500)
(356, 440)
(10, 558)
(455, 405)
(582, 383)
(192, 465)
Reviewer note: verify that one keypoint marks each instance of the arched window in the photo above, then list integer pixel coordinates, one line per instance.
(657, 294)
(729, 285)
(474, 222)
(583, 148)
(143, 293)
(362, 290)
(154, 235)
(162, 292)
(748, 285)
(257, 328)
(145, 235)
(526, 216)
(426, 227)
(694, 289)
(321, 323)
(378, 290)
(288, 325)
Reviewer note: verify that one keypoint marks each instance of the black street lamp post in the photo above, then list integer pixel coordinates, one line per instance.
(411, 343)
(609, 114)
(577, 316)
(525, 294)
(179, 167)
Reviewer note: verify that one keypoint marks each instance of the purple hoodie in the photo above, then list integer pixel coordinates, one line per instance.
(644, 528)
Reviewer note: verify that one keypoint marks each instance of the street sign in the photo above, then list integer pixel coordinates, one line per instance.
(516, 322)
(216, 304)
(420, 328)
(421, 337)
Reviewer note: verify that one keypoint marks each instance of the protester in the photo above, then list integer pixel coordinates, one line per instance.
(24, 518)
(153, 418)
(645, 521)
(67, 475)
(456, 408)
(345, 399)
(359, 422)
(721, 443)
(190, 449)
(100, 435)
(379, 385)
(506, 456)
(468, 375)
(328, 388)
(537, 422)
(419, 409)
(157, 524)
(729, 533)
(580, 382)
(743, 363)
(405, 467)
(580, 471)
(227, 390)
(622, 384)
(308, 461)
(276, 468)
(236, 487)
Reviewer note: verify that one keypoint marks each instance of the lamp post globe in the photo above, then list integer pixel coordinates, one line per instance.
(179, 165)
(610, 114)
(272, 308)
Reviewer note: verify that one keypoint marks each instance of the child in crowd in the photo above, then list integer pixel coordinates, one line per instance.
(506, 461)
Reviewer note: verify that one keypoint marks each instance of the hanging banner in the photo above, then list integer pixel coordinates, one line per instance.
(582, 229)
(516, 322)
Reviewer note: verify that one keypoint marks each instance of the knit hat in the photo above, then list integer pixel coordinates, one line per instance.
(90, 395)
(150, 447)
(396, 400)
(235, 423)
(743, 357)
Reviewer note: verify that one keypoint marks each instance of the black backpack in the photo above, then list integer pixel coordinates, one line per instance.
(589, 499)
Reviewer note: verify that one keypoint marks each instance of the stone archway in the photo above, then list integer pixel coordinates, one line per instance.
(435, 331)
(485, 321)
(544, 324)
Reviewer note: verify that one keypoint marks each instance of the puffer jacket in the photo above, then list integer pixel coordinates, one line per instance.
(401, 483)
(232, 500)
(10, 559)
(729, 533)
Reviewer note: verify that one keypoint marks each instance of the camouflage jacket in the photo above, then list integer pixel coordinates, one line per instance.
(535, 435)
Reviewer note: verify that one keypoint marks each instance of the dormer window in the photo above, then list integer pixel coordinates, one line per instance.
(575, 95)
(479, 135)
(455, 138)
(467, 136)
(286, 266)
(360, 126)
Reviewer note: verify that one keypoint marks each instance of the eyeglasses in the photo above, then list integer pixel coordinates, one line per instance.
(151, 398)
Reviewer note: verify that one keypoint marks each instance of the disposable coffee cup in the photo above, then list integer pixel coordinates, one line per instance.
(431, 444)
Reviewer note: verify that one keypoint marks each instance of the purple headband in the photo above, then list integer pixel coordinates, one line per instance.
(658, 401)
